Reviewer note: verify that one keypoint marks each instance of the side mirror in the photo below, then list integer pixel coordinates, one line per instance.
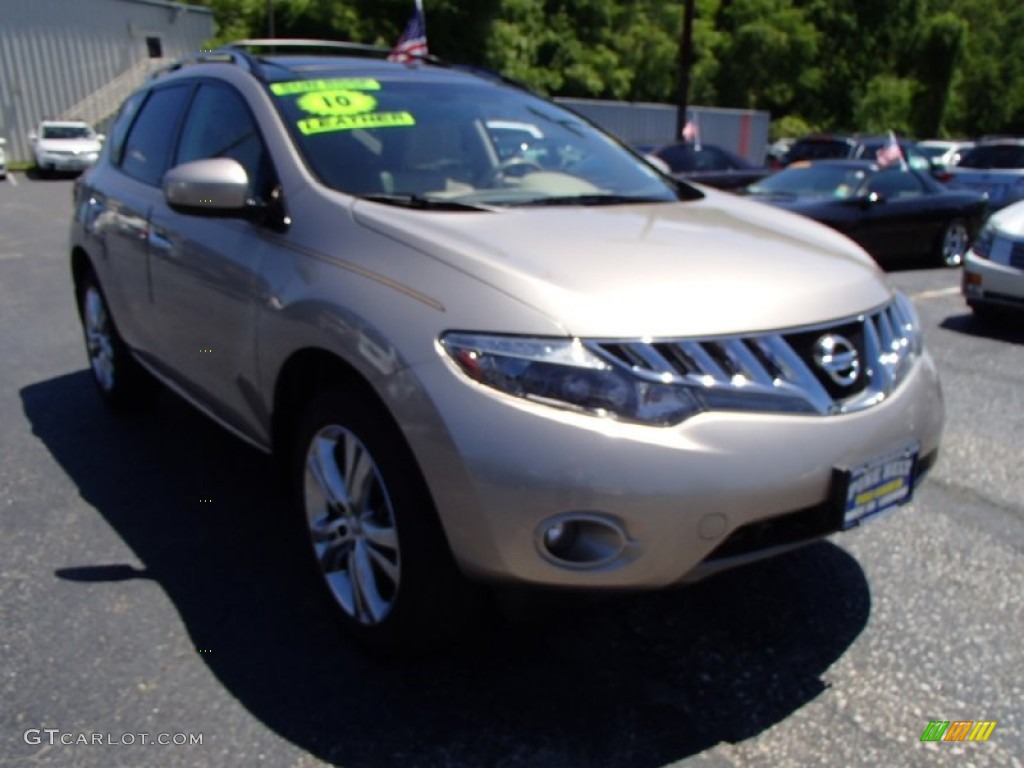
(3, 141)
(101, 137)
(32, 137)
(216, 186)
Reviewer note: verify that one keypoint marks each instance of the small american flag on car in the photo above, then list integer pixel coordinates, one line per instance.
(413, 41)
(890, 153)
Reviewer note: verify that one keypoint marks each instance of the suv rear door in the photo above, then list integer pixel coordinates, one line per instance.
(123, 193)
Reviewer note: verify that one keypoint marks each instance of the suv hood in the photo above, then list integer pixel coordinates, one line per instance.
(719, 265)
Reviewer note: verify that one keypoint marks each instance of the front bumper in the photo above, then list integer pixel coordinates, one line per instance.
(66, 162)
(989, 283)
(504, 468)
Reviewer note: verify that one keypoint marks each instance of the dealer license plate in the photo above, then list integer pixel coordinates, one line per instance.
(879, 484)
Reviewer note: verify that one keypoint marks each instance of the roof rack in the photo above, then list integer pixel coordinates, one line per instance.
(310, 44)
(248, 53)
(306, 43)
(222, 55)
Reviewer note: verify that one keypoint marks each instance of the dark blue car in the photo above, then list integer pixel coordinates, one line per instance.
(890, 211)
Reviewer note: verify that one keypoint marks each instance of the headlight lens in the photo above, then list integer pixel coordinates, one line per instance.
(982, 245)
(564, 373)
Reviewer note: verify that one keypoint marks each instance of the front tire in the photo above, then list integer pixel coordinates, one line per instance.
(371, 530)
(953, 243)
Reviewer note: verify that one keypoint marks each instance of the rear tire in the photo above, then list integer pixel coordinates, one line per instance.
(370, 529)
(952, 245)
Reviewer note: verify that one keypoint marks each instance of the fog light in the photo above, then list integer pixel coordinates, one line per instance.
(559, 537)
(580, 540)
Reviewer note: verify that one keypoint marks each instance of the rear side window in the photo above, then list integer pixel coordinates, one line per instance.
(147, 150)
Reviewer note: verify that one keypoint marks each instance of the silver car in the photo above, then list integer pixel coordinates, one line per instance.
(993, 274)
(482, 366)
(995, 168)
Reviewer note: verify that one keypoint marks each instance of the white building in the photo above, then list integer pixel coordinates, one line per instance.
(79, 59)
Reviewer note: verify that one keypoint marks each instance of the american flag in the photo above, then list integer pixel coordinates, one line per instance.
(413, 42)
(691, 132)
(890, 153)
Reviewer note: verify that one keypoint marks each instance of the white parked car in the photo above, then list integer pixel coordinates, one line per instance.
(944, 152)
(65, 145)
(3, 159)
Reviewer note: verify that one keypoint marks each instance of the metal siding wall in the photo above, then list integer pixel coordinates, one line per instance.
(55, 53)
(743, 131)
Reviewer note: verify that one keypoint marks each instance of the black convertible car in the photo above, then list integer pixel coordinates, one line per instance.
(709, 164)
(890, 211)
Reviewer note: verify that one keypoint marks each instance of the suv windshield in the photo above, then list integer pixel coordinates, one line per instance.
(474, 144)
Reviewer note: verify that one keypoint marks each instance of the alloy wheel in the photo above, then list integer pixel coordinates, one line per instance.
(99, 338)
(954, 244)
(351, 523)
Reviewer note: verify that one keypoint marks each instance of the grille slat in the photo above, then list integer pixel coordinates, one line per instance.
(705, 362)
(781, 367)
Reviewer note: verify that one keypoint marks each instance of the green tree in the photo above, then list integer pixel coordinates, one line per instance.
(939, 51)
(885, 105)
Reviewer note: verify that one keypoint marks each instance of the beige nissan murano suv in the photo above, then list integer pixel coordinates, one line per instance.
(488, 343)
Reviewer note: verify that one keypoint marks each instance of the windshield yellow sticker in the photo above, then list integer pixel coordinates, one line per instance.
(336, 102)
(313, 125)
(308, 86)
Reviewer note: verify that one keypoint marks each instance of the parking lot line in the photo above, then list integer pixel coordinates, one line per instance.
(936, 293)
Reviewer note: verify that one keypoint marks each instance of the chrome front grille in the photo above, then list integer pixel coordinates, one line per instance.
(779, 371)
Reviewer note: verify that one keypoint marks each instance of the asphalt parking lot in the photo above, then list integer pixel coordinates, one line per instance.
(143, 595)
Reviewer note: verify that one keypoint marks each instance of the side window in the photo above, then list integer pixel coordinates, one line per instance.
(119, 131)
(895, 183)
(219, 124)
(147, 150)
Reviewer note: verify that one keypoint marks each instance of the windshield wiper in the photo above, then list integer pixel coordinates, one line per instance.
(591, 199)
(422, 203)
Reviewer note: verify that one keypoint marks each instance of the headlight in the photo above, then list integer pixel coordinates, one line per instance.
(982, 245)
(564, 373)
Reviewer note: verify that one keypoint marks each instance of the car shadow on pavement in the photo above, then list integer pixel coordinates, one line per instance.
(637, 680)
(1006, 327)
